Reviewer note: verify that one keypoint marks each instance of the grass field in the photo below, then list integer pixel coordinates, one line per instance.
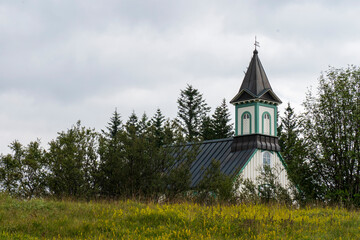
(45, 219)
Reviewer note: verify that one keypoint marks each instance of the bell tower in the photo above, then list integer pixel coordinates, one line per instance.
(255, 110)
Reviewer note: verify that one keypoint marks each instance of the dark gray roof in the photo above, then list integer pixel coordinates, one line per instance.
(255, 85)
(230, 162)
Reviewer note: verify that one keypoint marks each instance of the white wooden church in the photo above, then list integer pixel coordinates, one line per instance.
(255, 143)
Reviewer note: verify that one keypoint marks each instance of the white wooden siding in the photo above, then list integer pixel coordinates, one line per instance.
(254, 167)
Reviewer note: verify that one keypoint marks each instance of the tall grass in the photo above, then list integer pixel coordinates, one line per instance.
(48, 219)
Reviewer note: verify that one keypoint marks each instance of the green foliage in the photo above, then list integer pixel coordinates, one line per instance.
(10, 169)
(248, 191)
(111, 150)
(72, 161)
(178, 180)
(158, 129)
(220, 122)
(294, 151)
(140, 157)
(266, 188)
(331, 130)
(217, 126)
(207, 130)
(215, 185)
(114, 126)
(33, 182)
(191, 110)
(269, 187)
(22, 173)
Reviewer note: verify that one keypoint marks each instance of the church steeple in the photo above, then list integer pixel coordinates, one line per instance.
(255, 111)
(255, 85)
(256, 103)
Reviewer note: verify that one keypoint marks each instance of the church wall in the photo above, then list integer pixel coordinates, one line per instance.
(254, 167)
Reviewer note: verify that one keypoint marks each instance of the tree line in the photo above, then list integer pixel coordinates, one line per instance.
(320, 146)
(127, 159)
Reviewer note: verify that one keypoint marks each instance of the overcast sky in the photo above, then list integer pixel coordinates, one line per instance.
(63, 61)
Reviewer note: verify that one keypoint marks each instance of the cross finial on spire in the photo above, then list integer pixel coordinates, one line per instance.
(256, 43)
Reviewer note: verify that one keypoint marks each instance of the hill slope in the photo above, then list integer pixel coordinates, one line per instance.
(45, 219)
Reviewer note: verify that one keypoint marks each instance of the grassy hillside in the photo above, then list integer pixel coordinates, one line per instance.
(44, 219)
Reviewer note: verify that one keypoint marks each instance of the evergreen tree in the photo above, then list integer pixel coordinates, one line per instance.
(132, 124)
(174, 129)
(157, 124)
(207, 129)
(146, 158)
(111, 151)
(294, 152)
(220, 122)
(289, 133)
(191, 110)
(114, 126)
(144, 124)
(133, 146)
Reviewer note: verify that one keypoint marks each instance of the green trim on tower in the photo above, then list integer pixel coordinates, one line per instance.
(255, 128)
(282, 160)
(257, 117)
(275, 121)
(236, 119)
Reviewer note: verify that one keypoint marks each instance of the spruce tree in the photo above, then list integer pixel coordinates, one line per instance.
(114, 126)
(294, 152)
(191, 110)
(220, 122)
(207, 129)
(144, 124)
(289, 133)
(111, 150)
(157, 124)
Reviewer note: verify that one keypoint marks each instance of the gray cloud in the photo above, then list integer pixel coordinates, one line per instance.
(62, 61)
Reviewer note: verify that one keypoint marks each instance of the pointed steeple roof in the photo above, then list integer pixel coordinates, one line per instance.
(255, 84)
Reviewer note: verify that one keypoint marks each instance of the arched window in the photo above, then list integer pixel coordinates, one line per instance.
(266, 124)
(246, 123)
(266, 160)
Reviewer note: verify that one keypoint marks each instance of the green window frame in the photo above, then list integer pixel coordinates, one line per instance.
(263, 120)
(242, 122)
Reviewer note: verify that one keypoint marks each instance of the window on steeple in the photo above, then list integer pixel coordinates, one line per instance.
(246, 118)
(266, 125)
